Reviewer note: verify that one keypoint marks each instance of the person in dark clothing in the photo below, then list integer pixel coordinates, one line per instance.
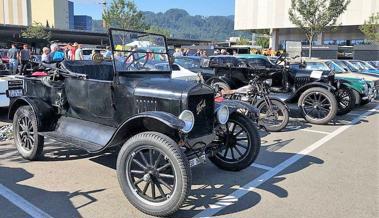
(24, 59)
(12, 54)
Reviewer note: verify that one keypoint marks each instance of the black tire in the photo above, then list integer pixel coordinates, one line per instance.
(346, 100)
(28, 143)
(227, 138)
(315, 114)
(279, 109)
(165, 164)
(364, 102)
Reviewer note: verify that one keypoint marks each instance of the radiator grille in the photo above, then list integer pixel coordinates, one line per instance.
(202, 107)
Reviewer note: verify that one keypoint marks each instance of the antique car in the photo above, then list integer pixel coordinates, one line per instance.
(314, 91)
(164, 126)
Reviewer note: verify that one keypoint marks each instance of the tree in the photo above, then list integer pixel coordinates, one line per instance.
(243, 41)
(159, 30)
(125, 15)
(315, 16)
(371, 27)
(36, 33)
(264, 42)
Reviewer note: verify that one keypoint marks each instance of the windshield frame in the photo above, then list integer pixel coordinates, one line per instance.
(117, 72)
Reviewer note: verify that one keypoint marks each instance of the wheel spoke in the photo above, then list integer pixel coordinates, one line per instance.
(146, 187)
(151, 157)
(238, 151)
(163, 167)
(165, 184)
(143, 158)
(138, 181)
(239, 132)
(226, 151)
(231, 150)
(234, 127)
(166, 176)
(137, 172)
(160, 189)
(139, 164)
(153, 190)
(243, 146)
(242, 139)
(158, 160)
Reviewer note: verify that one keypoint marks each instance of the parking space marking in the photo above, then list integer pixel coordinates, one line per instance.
(260, 166)
(315, 131)
(236, 195)
(23, 204)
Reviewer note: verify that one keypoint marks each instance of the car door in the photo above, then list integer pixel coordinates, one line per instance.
(90, 100)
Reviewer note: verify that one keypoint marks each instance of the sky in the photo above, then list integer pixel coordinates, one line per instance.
(194, 7)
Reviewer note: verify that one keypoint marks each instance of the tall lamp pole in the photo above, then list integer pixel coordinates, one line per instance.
(104, 3)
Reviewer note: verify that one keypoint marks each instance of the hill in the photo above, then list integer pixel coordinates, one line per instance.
(183, 25)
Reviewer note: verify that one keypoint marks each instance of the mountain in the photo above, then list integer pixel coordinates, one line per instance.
(185, 26)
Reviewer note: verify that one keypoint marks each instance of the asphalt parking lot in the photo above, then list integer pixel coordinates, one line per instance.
(306, 171)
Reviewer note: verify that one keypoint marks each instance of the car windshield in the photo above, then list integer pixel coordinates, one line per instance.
(139, 52)
(335, 67)
(316, 66)
(357, 65)
(368, 65)
(187, 62)
(348, 66)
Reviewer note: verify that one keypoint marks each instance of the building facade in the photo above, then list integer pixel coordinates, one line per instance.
(25, 12)
(83, 22)
(253, 15)
(15, 12)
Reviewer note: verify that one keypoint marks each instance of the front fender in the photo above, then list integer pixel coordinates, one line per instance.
(157, 121)
(228, 81)
(46, 116)
(235, 105)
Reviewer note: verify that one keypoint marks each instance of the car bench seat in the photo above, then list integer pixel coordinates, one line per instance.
(93, 70)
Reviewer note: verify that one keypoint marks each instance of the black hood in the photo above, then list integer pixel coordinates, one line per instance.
(168, 88)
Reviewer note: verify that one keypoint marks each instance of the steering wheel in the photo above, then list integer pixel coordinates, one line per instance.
(135, 60)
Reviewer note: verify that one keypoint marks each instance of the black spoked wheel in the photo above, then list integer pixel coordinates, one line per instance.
(154, 173)
(318, 105)
(28, 143)
(346, 100)
(240, 143)
(149, 169)
(276, 119)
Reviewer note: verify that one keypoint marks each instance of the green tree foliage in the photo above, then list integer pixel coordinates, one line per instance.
(125, 15)
(264, 42)
(243, 41)
(315, 16)
(159, 30)
(36, 33)
(371, 27)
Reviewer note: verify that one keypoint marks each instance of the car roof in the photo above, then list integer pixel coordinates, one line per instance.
(251, 56)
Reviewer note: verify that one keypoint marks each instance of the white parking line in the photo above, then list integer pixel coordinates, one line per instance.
(23, 204)
(260, 166)
(233, 197)
(315, 131)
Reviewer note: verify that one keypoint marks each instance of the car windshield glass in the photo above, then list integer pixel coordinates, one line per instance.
(316, 66)
(348, 66)
(357, 65)
(188, 63)
(139, 52)
(367, 65)
(333, 66)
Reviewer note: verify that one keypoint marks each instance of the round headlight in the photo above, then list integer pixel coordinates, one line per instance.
(268, 82)
(223, 114)
(189, 120)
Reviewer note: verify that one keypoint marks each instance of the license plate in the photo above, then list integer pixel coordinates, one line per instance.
(14, 93)
(197, 160)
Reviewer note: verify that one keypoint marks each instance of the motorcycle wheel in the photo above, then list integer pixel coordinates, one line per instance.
(273, 122)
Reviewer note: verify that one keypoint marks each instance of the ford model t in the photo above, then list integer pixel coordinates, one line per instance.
(163, 126)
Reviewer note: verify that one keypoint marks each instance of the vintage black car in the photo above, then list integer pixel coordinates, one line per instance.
(163, 126)
(317, 93)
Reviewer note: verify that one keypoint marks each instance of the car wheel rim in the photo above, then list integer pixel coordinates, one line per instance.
(235, 139)
(343, 98)
(151, 175)
(25, 133)
(316, 105)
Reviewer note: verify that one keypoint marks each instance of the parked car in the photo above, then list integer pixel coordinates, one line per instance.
(365, 86)
(7, 89)
(164, 126)
(359, 87)
(314, 91)
(364, 67)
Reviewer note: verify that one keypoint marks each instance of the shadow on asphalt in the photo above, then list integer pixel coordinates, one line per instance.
(56, 203)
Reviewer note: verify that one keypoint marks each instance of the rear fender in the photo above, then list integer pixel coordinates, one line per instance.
(45, 113)
(157, 121)
(228, 81)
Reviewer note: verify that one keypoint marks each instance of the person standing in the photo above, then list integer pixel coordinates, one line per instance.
(107, 54)
(45, 55)
(79, 53)
(24, 58)
(12, 54)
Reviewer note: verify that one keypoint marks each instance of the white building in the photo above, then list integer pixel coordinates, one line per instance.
(273, 14)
